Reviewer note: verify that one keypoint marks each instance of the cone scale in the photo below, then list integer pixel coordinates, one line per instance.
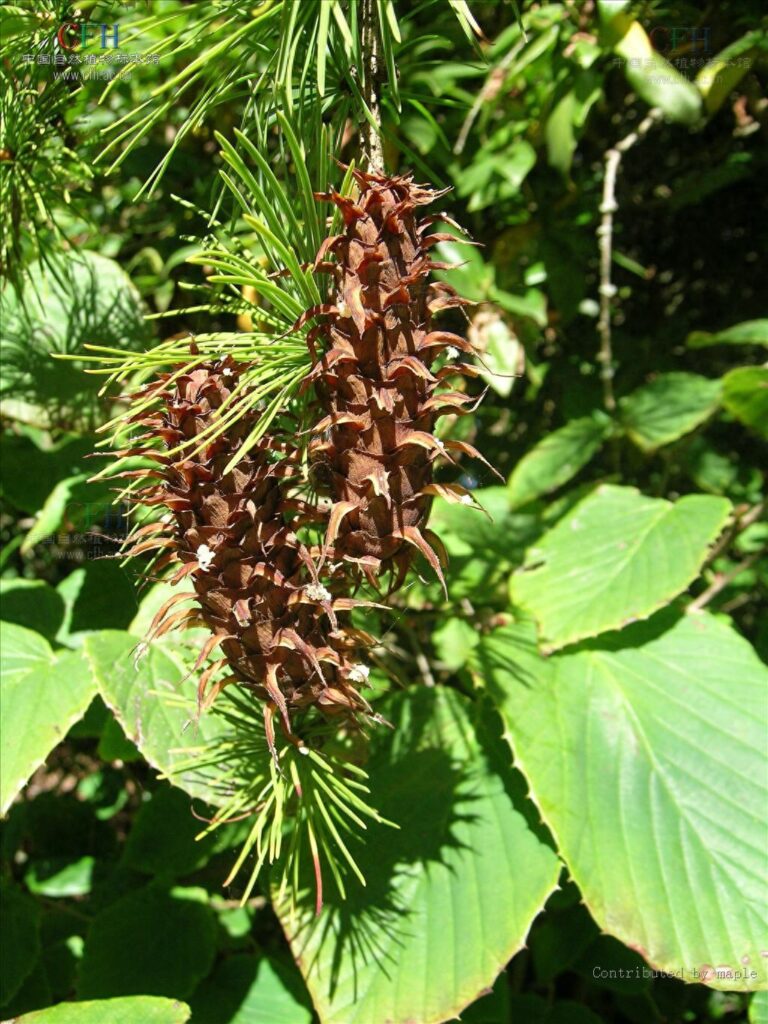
(374, 379)
(276, 624)
(278, 609)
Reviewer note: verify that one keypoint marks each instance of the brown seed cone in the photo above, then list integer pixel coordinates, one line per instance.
(375, 381)
(280, 630)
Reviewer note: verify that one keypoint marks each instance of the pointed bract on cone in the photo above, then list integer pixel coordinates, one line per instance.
(276, 627)
(378, 447)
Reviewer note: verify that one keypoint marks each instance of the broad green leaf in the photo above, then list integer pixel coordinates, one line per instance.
(751, 332)
(532, 304)
(20, 934)
(518, 159)
(568, 115)
(54, 511)
(129, 1010)
(556, 459)
(616, 557)
(503, 356)
(21, 650)
(249, 990)
(454, 640)
(154, 710)
(745, 395)
(560, 136)
(654, 79)
(54, 879)
(720, 76)
(38, 706)
(608, 9)
(645, 754)
(473, 278)
(758, 1008)
(150, 942)
(669, 406)
(457, 885)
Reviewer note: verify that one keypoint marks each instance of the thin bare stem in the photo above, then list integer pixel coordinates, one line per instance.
(493, 85)
(421, 660)
(370, 141)
(608, 208)
(744, 517)
(723, 579)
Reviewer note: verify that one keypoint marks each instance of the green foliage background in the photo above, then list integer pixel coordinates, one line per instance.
(578, 766)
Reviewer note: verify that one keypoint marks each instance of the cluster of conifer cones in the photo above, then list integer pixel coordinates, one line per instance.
(278, 607)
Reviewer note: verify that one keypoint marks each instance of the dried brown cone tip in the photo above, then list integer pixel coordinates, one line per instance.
(274, 618)
(374, 378)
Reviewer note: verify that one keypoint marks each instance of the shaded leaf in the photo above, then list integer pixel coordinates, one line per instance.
(29, 472)
(458, 885)
(20, 934)
(473, 279)
(35, 992)
(454, 640)
(745, 395)
(502, 354)
(150, 942)
(751, 332)
(85, 297)
(83, 591)
(33, 604)
(669, 406)
(556, 459)
(162, 840)
(568, 115)
(73, 504)
(250, 990)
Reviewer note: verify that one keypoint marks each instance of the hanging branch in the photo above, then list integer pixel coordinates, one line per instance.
(744, 518)
(608, 207)
(370, 137)
(722, 580)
